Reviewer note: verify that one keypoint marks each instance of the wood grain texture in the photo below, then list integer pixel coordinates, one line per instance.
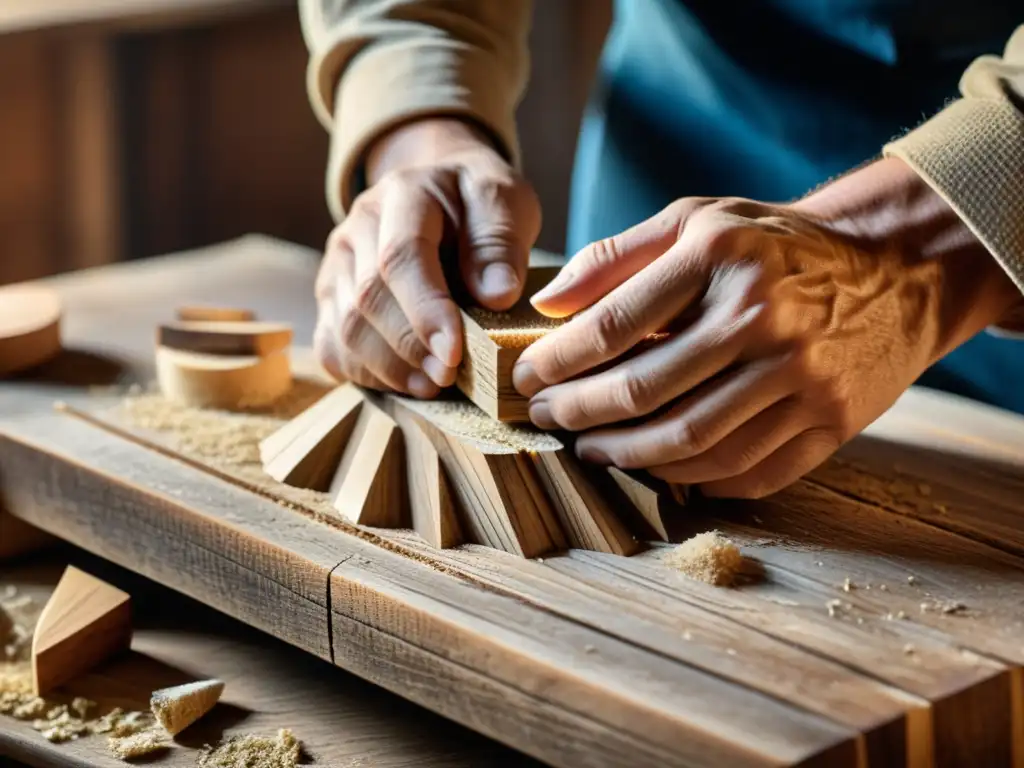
(84, 623)
(370, 485)
(340, 719)
(492, 342)
(649, 500)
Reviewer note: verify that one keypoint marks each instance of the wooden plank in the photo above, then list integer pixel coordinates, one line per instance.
(264, 557)
(340, 719)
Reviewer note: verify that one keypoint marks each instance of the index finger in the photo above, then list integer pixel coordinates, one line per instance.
(411, 227)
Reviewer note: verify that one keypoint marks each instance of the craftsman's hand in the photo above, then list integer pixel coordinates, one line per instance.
(386, 317)
(790, 329)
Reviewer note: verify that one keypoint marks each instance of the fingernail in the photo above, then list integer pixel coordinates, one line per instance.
(443, 347)
(590, 453)
(498, 280)
(525, 379)
(563, 280)
(540, 415)
(420, 386)
(438, 372)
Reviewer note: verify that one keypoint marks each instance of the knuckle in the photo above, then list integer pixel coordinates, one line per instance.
(634, 394)
(396, 255)
(687, 438)
(350, 324)
(407, 344)
(368, 294)
(613, 327)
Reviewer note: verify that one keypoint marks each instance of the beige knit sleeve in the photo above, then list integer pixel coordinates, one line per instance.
(972, 153)
(377, 63)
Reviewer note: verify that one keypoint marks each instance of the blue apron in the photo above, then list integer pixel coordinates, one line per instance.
(767, 99)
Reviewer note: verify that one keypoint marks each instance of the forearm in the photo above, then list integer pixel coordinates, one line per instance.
(887, 207)
(377, 64)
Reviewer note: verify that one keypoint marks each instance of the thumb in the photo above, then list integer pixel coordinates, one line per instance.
(605, 264)
(501, 223)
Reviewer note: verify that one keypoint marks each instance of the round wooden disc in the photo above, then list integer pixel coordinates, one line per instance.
(29, 327)
(224, 382)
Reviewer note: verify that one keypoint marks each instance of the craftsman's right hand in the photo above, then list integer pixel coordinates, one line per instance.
(386, 318)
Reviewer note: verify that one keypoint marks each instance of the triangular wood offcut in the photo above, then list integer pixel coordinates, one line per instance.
(309, 448)
(369, 485)
(208, 314)
(588, 520)
(178, 707)
(226, 338)
(85, 622)
(646, 499)
(430, 500)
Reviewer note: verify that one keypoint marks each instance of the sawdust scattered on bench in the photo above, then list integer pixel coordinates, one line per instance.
(709, 557)
(253, 751)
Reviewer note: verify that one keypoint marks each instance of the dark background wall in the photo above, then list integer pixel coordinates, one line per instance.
(140, 127)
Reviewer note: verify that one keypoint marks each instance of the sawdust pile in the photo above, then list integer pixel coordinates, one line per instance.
(56, 722)
(708, 557)
(465, 421)
(252, 751)
(145, 742)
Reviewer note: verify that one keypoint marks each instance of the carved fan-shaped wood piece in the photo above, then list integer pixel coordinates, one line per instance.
(456, 475)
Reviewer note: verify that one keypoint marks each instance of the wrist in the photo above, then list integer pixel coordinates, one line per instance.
(886, 207)
(422, 142)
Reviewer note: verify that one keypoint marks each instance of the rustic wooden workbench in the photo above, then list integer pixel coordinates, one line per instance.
(880, 623)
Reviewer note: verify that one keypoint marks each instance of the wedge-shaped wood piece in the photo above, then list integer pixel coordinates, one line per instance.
(584, 511)
(29, 327)
(649, 499)
(226, 338)
(306, 451)
(208, 314)
(434, 515)
(369, 486)
(493, 341)
(84, 623)
(492, 478)
(217, 381)
(178, 707)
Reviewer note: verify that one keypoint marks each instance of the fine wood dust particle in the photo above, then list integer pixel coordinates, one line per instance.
(253, 751)
(516, 329)
(138, 744)
(709, 557)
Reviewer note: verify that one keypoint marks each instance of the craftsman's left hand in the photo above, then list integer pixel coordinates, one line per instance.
(789, 339)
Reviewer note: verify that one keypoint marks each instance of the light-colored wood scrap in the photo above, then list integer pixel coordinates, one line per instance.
(492, 479)
(226, 338)
(178, 707)
(30, 318)
(493, 341)
(585, 513)
(369, 486)
(307, 450)
(432, 507)
(647, 499)
(217, 381)
(85, 622)
(209, 314)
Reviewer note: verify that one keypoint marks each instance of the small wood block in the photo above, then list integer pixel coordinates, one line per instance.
(178, 707)
(216, 381)
(226, 338)
(492, 342)
(588, 520)
(369, 486)
(85, 622)
(646, 498)
(29, 327)
(203, 314)
(312, 444)
(19, 538)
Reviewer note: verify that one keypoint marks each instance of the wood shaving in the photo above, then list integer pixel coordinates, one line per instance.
(709, 557)
(253, 751)
(138, 744)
